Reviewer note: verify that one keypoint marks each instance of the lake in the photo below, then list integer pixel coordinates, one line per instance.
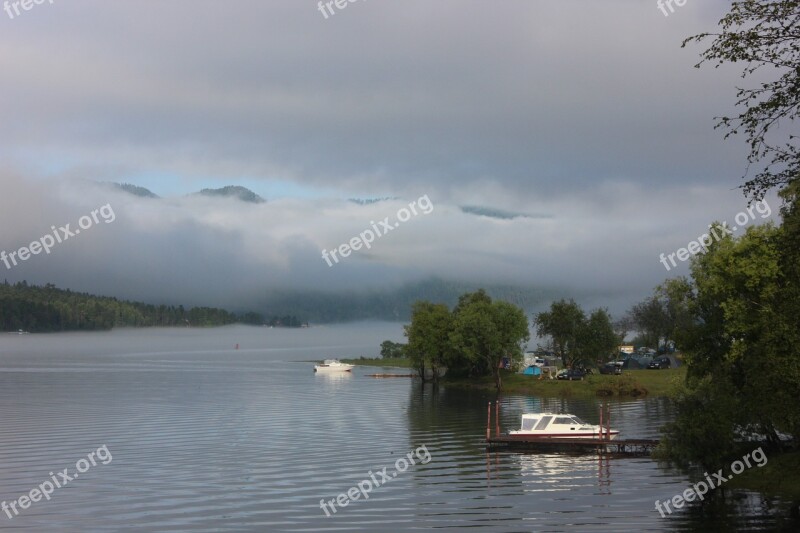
(177, 430)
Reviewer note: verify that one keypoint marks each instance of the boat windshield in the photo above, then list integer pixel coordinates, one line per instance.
(528, 423)
(579, 421)
(543, 423)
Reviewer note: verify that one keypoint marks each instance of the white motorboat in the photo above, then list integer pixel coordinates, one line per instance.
(561, 426)
(333, 365)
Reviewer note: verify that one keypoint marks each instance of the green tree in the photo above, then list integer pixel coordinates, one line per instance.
(596, 340)
(485, 332)
(764, 35)
(563, 324)
(392, 350)
(651, 320)
(742, 348)
(675, 295)
(428, 337)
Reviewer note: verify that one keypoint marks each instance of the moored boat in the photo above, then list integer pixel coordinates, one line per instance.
(561, 426)
(333, 365)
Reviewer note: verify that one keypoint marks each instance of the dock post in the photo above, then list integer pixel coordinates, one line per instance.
(497, 418)
(601, 422)
(489, 422)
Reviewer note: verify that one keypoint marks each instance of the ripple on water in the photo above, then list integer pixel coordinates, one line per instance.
(206, 440)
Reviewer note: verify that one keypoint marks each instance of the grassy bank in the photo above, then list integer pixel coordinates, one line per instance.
(398, 362)
(632, 383)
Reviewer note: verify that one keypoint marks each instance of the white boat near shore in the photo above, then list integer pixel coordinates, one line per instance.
(333, 365)
(561, 426)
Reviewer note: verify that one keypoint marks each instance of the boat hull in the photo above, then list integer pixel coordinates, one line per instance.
(572, 435)
(331, 370)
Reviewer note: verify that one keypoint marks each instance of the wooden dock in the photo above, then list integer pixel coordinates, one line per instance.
(544, 444)
(601, 445)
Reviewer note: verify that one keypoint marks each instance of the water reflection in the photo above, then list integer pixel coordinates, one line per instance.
(248, 440)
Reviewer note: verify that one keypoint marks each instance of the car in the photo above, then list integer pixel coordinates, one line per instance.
(660, 362)
(573, 374)
(611, 368)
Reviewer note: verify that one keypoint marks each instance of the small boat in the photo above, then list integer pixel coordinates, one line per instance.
(333, 365)
(561, 426)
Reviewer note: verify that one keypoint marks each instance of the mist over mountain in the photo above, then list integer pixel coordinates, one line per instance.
(135, 190)
(229, 250)
(393, 304)
(233, 191)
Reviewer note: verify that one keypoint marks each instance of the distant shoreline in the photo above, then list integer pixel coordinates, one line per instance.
(631, 384)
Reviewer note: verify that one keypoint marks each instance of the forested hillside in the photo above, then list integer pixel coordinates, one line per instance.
(40, 309)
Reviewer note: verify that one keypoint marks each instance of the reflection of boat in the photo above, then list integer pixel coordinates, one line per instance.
(561, 426)
(333, 365)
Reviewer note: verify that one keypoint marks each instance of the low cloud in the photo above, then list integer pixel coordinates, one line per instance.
(200, 250)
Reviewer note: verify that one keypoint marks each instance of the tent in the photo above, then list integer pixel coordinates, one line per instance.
(533, 370)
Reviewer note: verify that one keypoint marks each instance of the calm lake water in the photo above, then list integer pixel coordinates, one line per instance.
(203, 437)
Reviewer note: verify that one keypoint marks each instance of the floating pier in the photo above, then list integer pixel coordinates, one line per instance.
(601, 445)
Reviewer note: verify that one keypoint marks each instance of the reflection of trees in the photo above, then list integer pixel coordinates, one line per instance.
(455, 417)
(460, 414)
(735, 511)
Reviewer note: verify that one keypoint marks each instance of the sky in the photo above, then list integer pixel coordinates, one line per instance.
(585, 117)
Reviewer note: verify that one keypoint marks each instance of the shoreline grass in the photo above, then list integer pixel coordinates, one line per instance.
(632, 383)
(395, 362)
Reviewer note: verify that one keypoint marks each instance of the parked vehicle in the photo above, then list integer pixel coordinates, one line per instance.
(573, 374)
(660, 362)
(611, 368)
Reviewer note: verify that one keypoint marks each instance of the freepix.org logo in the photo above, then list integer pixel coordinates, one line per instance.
(367, 237)
(12, 8)
(716, 233)
(61, 479)
(59, 235)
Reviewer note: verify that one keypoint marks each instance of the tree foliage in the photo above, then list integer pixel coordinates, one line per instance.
(393, 350)
(561, 323)
(428, 337)
(471, 340)
(486, 332)
(578, 340)
(662, 317)
(742, 347)
(765, 36)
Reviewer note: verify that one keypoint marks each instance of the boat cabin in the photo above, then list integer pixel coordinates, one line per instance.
(549, 421)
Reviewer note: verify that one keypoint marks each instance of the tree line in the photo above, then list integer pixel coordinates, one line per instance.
(470, 340)
(473, 338)
(47, 308)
